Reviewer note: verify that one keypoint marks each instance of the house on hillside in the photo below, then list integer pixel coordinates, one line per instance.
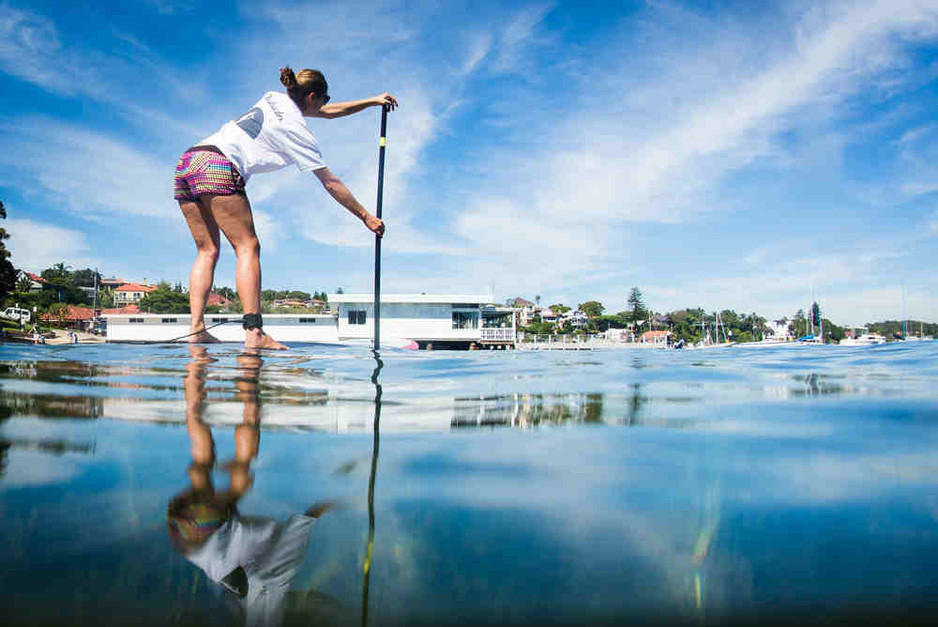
(112, 283)
(36, 282)
(549, 315)
(575, 319)
(131, 293)
(526, 310)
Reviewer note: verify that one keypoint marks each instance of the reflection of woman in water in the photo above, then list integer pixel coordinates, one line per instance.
(255, 559)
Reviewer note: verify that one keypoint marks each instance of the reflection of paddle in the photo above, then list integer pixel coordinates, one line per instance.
(369, 549)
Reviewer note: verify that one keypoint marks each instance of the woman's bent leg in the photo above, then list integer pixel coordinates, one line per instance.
(205, 233)
(234, 218)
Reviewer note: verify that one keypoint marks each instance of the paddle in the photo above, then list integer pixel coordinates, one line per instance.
(382, 144)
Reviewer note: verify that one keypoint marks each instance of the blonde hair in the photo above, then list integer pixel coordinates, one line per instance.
(301, 85)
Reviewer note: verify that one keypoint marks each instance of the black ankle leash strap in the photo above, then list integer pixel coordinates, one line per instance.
(252, 321)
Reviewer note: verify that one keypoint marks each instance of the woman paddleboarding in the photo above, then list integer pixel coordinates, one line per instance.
(210, 187)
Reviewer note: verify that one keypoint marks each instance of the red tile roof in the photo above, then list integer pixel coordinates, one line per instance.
(217, 300)
(72, 313)
(136, 287)
(127, 309)
(36, 278)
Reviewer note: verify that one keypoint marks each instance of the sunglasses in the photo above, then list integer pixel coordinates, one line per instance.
(326, 98)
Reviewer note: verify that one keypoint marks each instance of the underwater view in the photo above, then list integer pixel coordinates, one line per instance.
(206, 485)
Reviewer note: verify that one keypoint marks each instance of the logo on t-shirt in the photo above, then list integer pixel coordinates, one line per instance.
(251, 122)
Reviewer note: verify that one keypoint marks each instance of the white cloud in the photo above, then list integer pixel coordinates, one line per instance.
(660, 151)
(268, 231)
(33, 49)
(479, 48)
(27, 42)
(517, 37)
(87, 173)
(36, 245)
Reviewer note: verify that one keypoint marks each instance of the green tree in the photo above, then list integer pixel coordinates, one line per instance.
(592, 308)
(84, 278)
(540, 328)
(7, 272)
(106, 298)
(164, 300)
(686, 324)
(59, 274)
(637, 309)
(799, 324)
(833, 331)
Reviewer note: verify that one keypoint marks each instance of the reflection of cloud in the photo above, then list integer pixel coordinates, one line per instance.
(826, 477)
(27, 468)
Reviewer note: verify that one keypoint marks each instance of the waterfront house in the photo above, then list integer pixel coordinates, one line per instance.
(549, 315)
(430, 320)
(71, 317)
(778, 329)
(655, 338)
(575, 319)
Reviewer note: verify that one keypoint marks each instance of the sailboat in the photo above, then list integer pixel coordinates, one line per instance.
(714, 342)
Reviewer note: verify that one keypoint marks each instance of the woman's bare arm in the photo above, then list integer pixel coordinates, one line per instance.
(344, 197)
(341, 109)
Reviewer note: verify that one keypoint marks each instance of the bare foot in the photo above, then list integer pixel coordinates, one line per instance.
(255, 338)
(203, 337)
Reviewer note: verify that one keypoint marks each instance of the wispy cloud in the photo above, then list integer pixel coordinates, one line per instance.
(33, 48)
(518, 38)
(87, 173)
(36, 245)
(605, 167)
(534, 149)
(27, 41)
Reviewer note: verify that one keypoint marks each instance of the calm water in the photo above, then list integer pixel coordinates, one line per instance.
(159, 484)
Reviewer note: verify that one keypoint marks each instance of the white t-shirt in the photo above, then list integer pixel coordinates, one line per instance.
(270, 136)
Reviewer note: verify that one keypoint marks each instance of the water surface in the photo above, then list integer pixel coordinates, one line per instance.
(732, 485)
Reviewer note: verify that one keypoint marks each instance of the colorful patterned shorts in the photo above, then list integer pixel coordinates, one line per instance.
(205, 170)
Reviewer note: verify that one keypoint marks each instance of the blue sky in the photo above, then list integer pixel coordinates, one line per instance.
(718, 154)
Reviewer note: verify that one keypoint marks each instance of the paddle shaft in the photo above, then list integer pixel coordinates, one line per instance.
(382, 144)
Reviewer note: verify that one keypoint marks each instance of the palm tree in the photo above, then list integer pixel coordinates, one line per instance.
(24, 285)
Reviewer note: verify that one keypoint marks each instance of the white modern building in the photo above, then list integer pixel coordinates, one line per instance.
(430, 320)
(303, 328)
(778, 329)
(427, 320)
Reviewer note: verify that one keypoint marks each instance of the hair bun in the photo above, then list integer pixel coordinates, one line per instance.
(287, 77)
